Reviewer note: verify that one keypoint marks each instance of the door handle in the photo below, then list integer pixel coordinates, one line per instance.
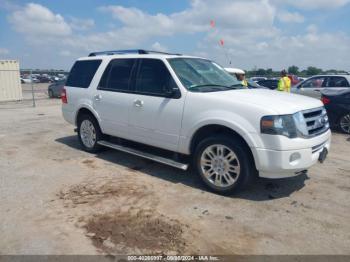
(97, 97)
(138, 103)
(318, 90)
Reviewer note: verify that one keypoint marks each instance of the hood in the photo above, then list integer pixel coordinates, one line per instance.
(279, 102)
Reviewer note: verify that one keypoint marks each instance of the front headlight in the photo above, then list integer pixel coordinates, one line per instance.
(279, 125)
(291, 126)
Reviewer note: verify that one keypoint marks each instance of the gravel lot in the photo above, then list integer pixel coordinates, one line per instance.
(57, 199)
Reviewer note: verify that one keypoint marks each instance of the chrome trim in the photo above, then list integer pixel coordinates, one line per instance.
(149, 156)
(316, 124)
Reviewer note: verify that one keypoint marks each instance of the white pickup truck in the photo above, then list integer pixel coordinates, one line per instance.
(196, 113)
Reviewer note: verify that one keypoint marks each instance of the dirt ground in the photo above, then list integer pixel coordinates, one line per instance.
(57, 199)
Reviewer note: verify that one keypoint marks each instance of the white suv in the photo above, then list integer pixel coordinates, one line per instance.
(197, 113)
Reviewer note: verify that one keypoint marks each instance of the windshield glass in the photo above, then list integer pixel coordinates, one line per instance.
(201, 75)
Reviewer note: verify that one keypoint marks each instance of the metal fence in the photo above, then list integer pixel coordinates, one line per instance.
(41, 84)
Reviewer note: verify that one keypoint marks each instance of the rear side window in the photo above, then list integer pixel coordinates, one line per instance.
(82, 73)
(117, 75)
(337, 81)
(153, 77)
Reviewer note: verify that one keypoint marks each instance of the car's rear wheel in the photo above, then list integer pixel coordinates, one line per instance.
(223, 164)
(50, 92)
(89, 133)
(344, 123)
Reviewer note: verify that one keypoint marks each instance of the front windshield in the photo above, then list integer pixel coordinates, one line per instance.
(201, 75)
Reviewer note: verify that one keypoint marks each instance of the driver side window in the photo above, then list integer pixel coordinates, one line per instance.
(315, 82)
(153, 78)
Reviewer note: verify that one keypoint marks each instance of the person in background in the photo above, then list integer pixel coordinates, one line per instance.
(284, 83)
(241, 77)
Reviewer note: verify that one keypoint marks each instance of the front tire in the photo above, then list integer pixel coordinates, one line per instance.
(344, 123)
(89, 133)
(224, 164)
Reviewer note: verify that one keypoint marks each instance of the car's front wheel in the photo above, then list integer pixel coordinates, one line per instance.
(344, 123)
(89, 133)
(223, 164)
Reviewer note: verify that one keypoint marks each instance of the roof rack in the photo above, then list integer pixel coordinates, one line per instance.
(130, 51)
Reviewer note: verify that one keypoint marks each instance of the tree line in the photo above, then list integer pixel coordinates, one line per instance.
(310, 71)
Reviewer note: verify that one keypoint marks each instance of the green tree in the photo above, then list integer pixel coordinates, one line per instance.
(311, 70)
(261, 72)
(293, 70)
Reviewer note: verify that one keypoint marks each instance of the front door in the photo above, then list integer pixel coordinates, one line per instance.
(155, 118)
(313, 87)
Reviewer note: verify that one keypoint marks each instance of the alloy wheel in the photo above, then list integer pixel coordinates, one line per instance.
(220, 165)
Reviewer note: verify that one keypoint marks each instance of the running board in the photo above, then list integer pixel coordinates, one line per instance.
(146, 155)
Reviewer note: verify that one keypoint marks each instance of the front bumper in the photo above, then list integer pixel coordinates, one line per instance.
(288, 163)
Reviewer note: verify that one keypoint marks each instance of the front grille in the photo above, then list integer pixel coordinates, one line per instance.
(316, 121)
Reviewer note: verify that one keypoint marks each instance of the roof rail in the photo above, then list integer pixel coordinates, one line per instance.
(130, 51)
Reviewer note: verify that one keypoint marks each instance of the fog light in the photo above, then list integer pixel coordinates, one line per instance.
(294, 157)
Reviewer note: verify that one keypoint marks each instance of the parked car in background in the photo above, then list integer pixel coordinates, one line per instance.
(26, 80)
(257, 78)
(269, 83)
(55, 89)
(337, 104)
(314, 85)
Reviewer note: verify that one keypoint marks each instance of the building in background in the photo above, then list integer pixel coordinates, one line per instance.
(10, 83)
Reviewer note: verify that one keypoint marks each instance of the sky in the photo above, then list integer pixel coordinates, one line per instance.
(48, 34)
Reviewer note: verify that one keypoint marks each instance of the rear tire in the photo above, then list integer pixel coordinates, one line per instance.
(89, 133)
(50, 92)
(344, 123)
(223, 164)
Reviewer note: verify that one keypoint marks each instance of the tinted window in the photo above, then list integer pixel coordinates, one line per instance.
(153, 77)
(337, 81)
(82, 73)
(314, 82)
(119, 74)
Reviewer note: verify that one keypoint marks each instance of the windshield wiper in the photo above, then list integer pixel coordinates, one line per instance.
(204, 85)
(236, 85)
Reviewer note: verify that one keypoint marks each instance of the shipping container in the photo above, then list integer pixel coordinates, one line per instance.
(10, 82)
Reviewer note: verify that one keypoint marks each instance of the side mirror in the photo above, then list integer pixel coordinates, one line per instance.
(172, 92)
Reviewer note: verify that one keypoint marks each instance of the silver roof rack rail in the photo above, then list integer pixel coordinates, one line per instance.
(129, 51)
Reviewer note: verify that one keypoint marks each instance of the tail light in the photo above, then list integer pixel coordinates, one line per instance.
(64, 96)
(325, 100)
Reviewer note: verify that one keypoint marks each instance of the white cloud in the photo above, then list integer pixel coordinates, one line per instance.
(156, 46)
(290, 17)
(314, 4)
(65, 53)
(35, 20)
(247, 26)
(81, 24)
(4, 51)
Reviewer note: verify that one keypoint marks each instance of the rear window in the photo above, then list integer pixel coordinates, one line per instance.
(82, 73)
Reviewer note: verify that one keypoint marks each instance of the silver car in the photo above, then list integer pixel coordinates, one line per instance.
(314, 85)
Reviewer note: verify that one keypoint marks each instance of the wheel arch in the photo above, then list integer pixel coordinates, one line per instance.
(85, 110)
(218, 129)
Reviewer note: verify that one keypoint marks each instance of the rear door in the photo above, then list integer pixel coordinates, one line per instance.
(112, 97)
(155, 119)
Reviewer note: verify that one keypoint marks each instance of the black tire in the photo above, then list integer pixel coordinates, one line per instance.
(344, 123)
(245, 162)
(50, 92)
(94, 147)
